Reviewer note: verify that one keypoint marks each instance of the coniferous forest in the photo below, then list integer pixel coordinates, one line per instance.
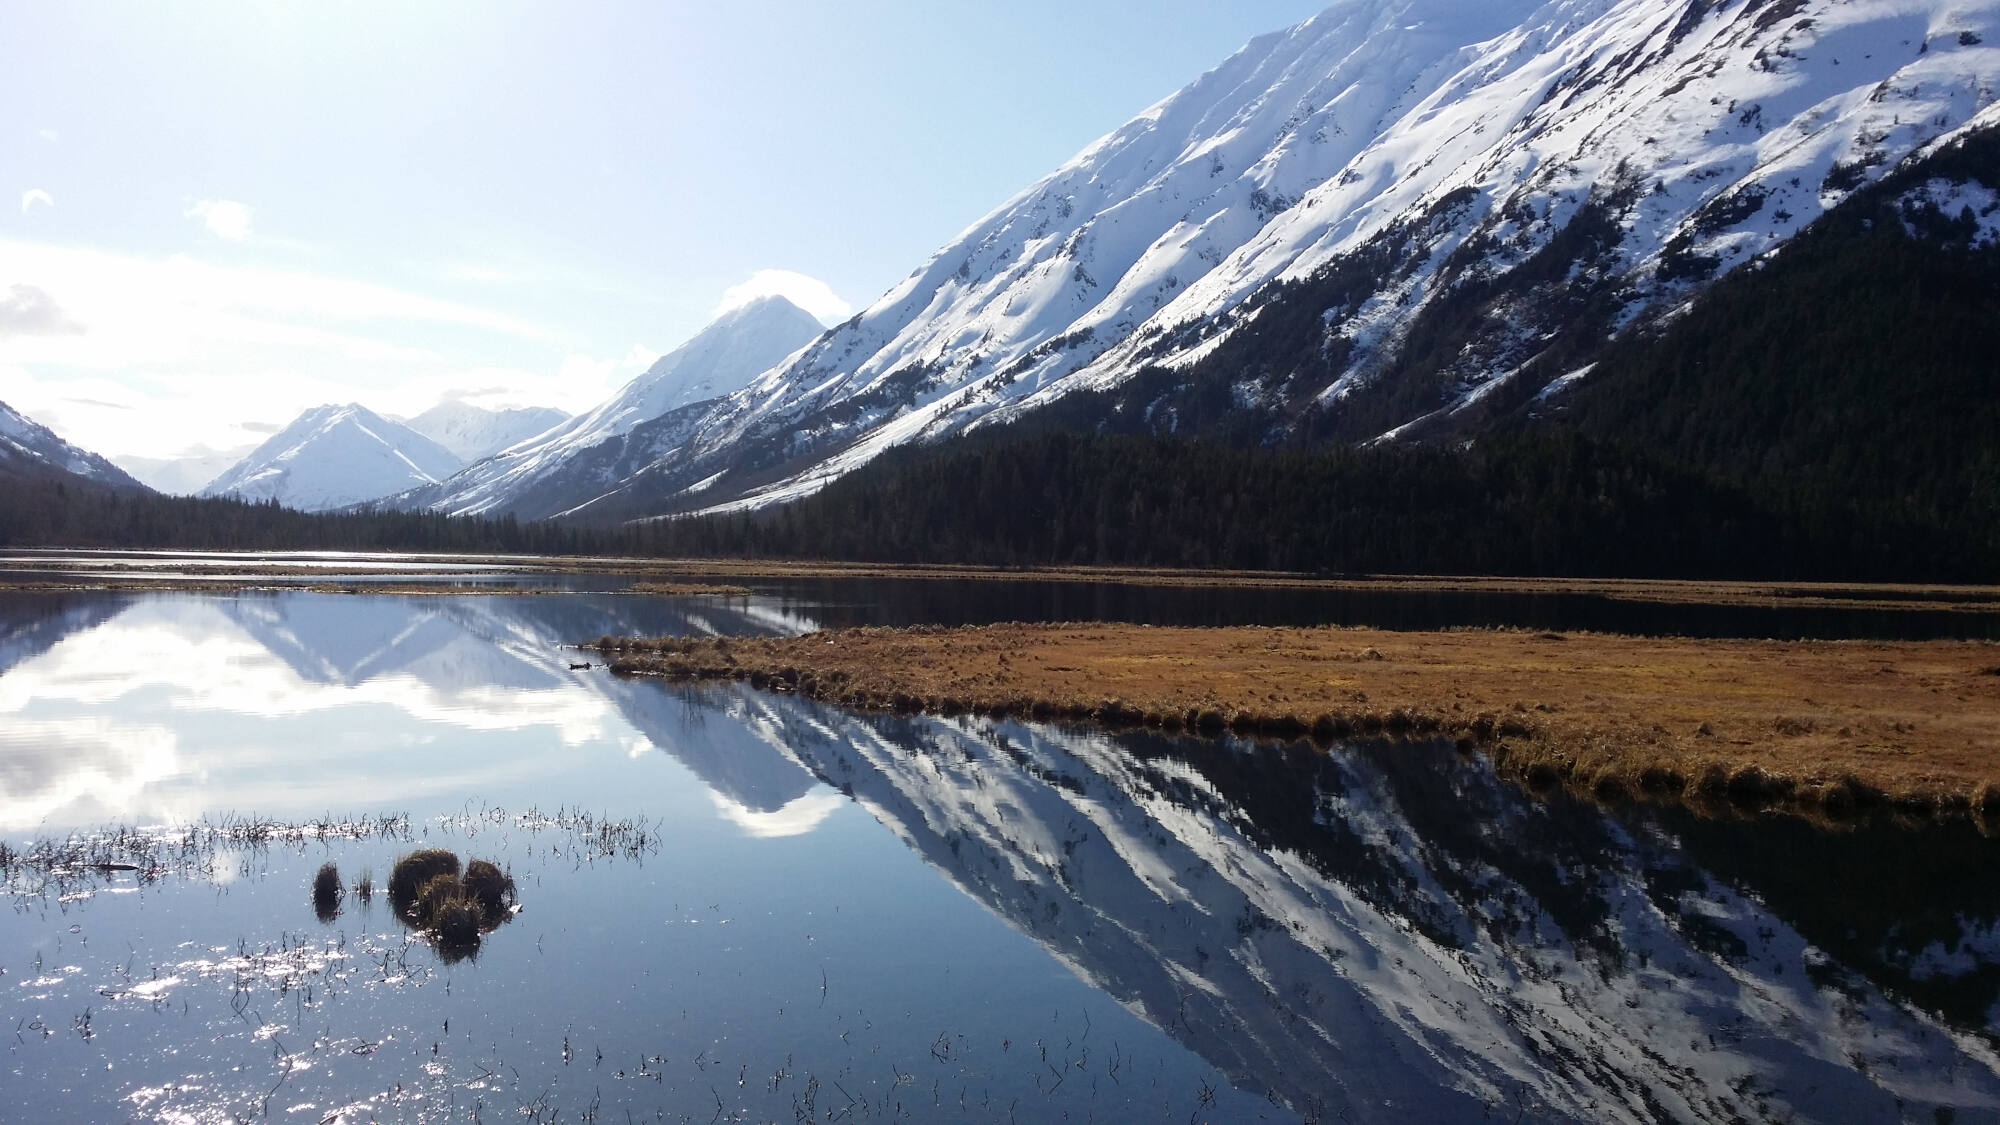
(1550, 501)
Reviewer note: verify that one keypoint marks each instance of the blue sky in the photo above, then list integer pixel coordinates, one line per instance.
(230, 211)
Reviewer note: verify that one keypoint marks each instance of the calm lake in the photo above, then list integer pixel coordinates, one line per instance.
(741, 906)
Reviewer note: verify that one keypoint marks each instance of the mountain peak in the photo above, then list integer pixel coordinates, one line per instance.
(335, 455)
(765, 304)
(729, 353)
(771, 313)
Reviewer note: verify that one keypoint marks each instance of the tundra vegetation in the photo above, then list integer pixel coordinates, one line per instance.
(1834, 729)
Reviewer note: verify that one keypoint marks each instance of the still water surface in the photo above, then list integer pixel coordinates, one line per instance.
(808, 914)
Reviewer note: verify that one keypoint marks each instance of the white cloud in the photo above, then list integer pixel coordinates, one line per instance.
(225, 218)
(809, 293)
(29, 311)
(49, 135)
(33, 196)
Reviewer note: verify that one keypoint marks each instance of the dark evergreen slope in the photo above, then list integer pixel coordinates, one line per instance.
(1550, 501)
(1856, 376)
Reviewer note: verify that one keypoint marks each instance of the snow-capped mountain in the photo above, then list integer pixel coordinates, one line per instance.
(579, 460)
(30, 449)
(472, 432)
(183, 476)
(333, 456)
(1436, 189)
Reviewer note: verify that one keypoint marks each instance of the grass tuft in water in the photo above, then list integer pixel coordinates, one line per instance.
(413, 871)
(437, 891)
(457, 922)
(490, 887)
(364, 887)
(327, 892)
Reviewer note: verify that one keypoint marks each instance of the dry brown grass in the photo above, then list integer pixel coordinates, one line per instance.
(690, 589)
(1830, 726)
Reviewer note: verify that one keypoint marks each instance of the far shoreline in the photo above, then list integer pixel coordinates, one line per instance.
(212, 571)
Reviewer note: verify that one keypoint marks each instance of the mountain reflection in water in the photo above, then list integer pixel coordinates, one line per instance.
(1386, 931)
(1386, 923)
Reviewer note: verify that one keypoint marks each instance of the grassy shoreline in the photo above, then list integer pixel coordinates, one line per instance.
(1830, 728)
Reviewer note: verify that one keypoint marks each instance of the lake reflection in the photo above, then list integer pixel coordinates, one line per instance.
(940, 919)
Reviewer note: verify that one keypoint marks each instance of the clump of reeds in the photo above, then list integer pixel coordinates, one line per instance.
(429, 893)
(326, 892)
(407, 878)
(364, 887)
(490, 887)
(438, 890)
(458, 922)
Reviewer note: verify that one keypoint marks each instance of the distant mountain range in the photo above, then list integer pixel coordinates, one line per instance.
(335, 456)
(472, 432)
(604, 456)
(546, 461)
(185, 475)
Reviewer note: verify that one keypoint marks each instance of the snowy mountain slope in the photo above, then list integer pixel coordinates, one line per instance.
(1520, 166)
(545, 476)
(29, 449)
(182, 476)
(1368, 935)
(473, 432)
(333, 456)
